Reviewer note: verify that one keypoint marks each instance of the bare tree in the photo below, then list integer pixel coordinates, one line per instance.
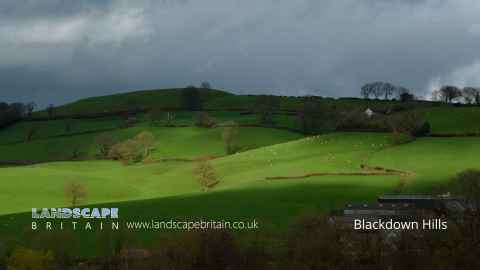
(388, 89)
(229, 135)
(366, 91)
(377, 89)
(449, 93)
(206, 175)
(75, 193)
(146, 141)
(470, 94)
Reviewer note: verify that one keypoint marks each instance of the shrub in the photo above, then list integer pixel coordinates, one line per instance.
(409, 122)
(203, 119)
(358, 120)
(23, 259)
(314, 242)
(423, 130)
(133, 150)
(75, 193)
(468, 184)
(104, 143)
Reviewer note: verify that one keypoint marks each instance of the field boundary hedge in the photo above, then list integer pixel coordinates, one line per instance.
(367, 171)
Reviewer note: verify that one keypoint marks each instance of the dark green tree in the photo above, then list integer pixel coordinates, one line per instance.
(191, 99)
(265, 107)
(311, 116)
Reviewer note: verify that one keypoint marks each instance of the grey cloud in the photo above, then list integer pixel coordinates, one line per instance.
(298, 47)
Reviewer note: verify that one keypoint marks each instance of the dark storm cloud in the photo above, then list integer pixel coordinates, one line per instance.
(53, 51)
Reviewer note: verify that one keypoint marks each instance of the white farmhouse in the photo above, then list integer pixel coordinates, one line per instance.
(369, 112)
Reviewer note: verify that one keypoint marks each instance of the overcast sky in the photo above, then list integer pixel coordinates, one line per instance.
(54, 51)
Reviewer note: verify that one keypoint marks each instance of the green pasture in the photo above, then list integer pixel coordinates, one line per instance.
(169, 189)
(165, 188)
(44, 129)
(185, 142)
(434, 161)
(453, 120)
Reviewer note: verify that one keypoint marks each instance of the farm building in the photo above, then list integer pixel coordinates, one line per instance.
(369, 113)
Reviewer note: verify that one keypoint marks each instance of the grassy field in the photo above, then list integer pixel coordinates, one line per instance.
(169, 190)
(451, 120)
(45, 129)
(187, 142)
(433, 160)
(331, 153)
(162, 188)
(434, 164)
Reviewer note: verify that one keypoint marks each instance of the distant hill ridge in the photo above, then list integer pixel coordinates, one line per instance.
(212, 99)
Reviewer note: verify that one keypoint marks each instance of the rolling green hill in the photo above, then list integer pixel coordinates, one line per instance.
(277, 175)
(453, 120)
(332, 153)
(444, 119)
(169, 190)
(187, 142)
(165, 98)
(432, 165)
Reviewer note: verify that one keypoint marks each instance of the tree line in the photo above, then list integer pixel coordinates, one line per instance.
(13, 112)
(450, 93)
(446, 93)
(386, 90)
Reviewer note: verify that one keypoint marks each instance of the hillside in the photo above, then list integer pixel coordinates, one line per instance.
(333, 154)
(165, 98)
(277, 175)
(444, 119)
(170, 189)
(211, 100)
